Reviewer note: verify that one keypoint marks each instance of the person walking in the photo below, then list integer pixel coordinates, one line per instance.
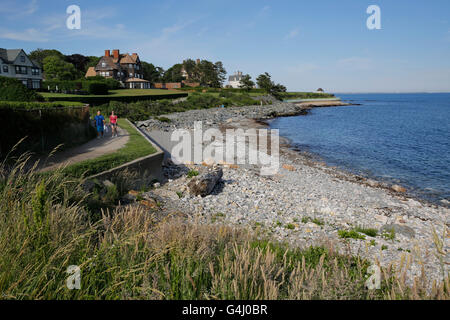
(113, 123)
(100, 123)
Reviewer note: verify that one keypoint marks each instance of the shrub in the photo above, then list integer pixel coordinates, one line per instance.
(352, 234)
(192, 173)
(14, 90)
(97, 88)
(368, 231)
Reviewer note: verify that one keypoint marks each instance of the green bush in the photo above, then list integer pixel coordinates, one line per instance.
(19, 105)
(100, 100)
(97, 88)
(13, 90)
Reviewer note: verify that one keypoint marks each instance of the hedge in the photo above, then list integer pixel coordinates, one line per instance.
(93, 100)
(20, 105)
(77, 85)
(44, 129)
(97, 88)
(13, 90)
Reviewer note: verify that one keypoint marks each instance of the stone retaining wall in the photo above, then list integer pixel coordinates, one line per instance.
(149, 166)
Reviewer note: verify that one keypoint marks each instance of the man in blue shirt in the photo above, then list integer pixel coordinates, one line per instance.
(99, 122)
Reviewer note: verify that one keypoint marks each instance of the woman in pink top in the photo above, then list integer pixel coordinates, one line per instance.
(113, 123)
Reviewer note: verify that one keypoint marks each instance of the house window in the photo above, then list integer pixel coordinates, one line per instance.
(5, 69)
(35, 71)
(22, 59)
(36, 84)
(103, 64)
(21, 70)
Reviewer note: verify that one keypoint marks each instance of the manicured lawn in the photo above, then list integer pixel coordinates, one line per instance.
(114, 93)
(136, 147)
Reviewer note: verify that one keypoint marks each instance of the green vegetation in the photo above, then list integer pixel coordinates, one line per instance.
(143, 110)
(246, 83)
(264, 82)
(126, 253)
(389, 234)
(121, 95)
(368, 231)
(41, 127)
(38, 105)
(313, 220)
(352, 234)
(192, 173)
(290, 226)
(136, 147)
(13, 90)
(306, 95)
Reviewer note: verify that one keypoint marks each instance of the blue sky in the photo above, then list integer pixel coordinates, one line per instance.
(302, 44)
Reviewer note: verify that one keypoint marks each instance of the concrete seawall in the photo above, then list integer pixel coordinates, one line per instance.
(149, 166)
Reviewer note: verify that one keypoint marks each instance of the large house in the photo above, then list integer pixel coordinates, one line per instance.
(234, 80)
(15, 63)
(125, 68)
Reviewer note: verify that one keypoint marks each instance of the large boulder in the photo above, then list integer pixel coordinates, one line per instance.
(204, 183)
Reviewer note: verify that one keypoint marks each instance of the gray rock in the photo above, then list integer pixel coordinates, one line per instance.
(203, 184)
(404, 230)
(108, 184)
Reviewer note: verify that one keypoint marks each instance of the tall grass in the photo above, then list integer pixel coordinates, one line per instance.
(132, 254)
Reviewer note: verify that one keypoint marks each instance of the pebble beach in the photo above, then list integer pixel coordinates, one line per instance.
(307, 202)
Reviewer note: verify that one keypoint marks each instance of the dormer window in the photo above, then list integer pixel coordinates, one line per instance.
(103, 64)
(22, 59)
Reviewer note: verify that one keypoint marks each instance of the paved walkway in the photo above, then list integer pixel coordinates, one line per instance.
(90, 150)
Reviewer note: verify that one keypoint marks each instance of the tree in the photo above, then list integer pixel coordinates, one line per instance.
(152, 73)
(192, 70)
(92, 62)
(246, 82)
(173, 74)
(264, 82)
(55, 68)
(39, 55)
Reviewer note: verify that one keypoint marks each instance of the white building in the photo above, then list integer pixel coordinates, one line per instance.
(234, 80)
(15, 63)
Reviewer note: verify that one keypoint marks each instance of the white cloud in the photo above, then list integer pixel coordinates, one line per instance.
(12, 10)
(26, 35)
(293, 33)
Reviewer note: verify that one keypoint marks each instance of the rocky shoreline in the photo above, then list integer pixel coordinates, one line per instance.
(306, 202)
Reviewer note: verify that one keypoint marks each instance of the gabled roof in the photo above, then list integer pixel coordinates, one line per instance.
(90, 72)
(110, 65)
(9, 55)
(127, 58)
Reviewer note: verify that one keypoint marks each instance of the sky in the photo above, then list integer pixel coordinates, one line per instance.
(302, 44)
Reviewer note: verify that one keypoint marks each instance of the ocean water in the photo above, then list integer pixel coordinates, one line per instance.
(398, 138)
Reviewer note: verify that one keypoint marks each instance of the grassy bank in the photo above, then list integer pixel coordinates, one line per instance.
(38, 105)
(143, 110)
(123, 95)
(130, 253)
(135, 148)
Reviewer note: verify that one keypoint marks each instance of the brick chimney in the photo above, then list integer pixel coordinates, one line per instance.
(198, 61)
(116, 53)
(107, 53)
